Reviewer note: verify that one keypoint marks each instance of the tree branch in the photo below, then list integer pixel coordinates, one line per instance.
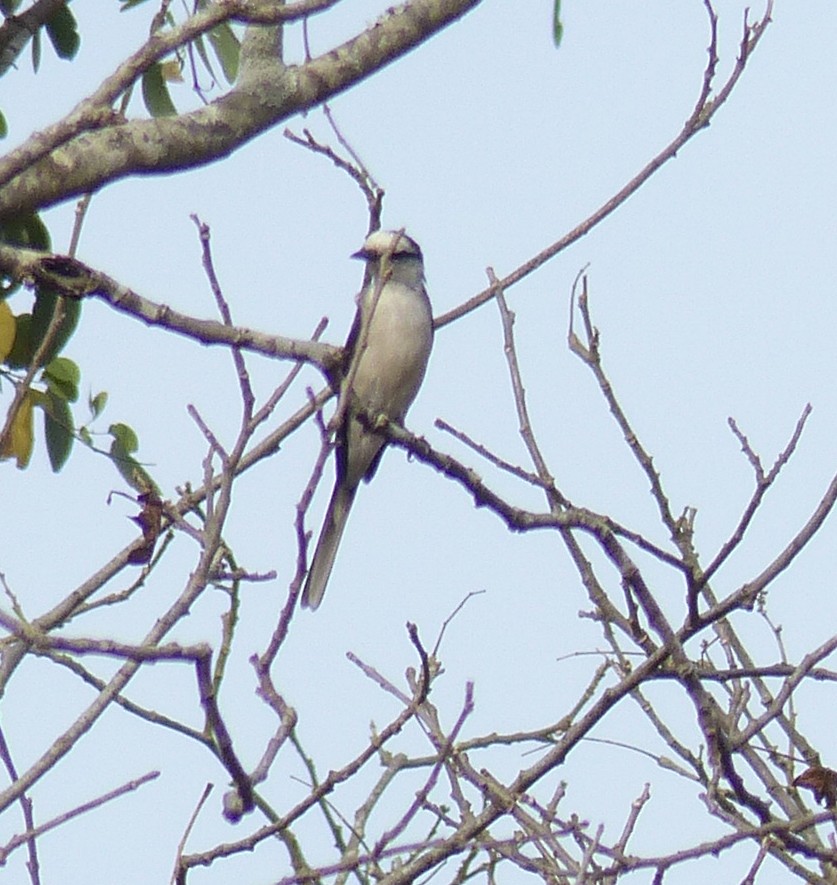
(92, 146)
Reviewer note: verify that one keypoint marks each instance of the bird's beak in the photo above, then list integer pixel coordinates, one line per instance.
(362, 254)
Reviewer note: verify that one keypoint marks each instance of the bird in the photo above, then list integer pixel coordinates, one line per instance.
(386, 356)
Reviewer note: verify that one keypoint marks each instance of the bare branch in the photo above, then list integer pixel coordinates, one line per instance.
(73, 279)
(704, 110)
(31, 834)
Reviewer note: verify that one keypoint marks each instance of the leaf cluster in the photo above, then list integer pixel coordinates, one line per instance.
(32, 339)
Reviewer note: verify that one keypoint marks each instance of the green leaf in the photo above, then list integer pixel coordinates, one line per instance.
(4, 126)
(227, 48)
(36, 51)
(124, 436)
(58, 429)
(155, 93)
(557, 27)
(63, 33)
(46, 301)
(27, 231)
(62, 377)
(124, 443)
(200, 48)
(129, 4)
(97, 403)
(22, 230)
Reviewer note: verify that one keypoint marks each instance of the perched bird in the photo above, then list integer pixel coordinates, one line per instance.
(386, 357)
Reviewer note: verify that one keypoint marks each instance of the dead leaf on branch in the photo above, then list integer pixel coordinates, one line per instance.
(823, 782)
(150, 520)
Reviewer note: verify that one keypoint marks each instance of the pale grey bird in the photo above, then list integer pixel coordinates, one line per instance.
(386, 357)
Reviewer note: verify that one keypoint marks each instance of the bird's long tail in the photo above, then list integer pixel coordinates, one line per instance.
(330, 535)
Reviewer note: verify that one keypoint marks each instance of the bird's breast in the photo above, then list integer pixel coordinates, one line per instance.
(398, 345)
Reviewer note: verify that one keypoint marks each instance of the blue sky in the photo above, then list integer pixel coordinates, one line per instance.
(713, 289)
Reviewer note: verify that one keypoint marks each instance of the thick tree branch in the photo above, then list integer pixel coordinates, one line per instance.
(73, 279)
(93, 146)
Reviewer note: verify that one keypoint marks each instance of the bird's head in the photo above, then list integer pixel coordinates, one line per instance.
(392, 255)
(388, 242)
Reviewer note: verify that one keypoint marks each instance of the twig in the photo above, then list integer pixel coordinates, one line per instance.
(449, 619)
(489, 456)
(590, 355)
(190, 825)
(554, 497)
(315, 796)
(247, 396)
(763, 483)
(356, 169)
(32, 864)
(51, 824)
(444, 748)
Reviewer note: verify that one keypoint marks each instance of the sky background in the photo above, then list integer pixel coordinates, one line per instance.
(713, 288)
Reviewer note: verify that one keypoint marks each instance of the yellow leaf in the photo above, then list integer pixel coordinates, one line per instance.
(7, 330)
(22, 437)
(171, 71)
